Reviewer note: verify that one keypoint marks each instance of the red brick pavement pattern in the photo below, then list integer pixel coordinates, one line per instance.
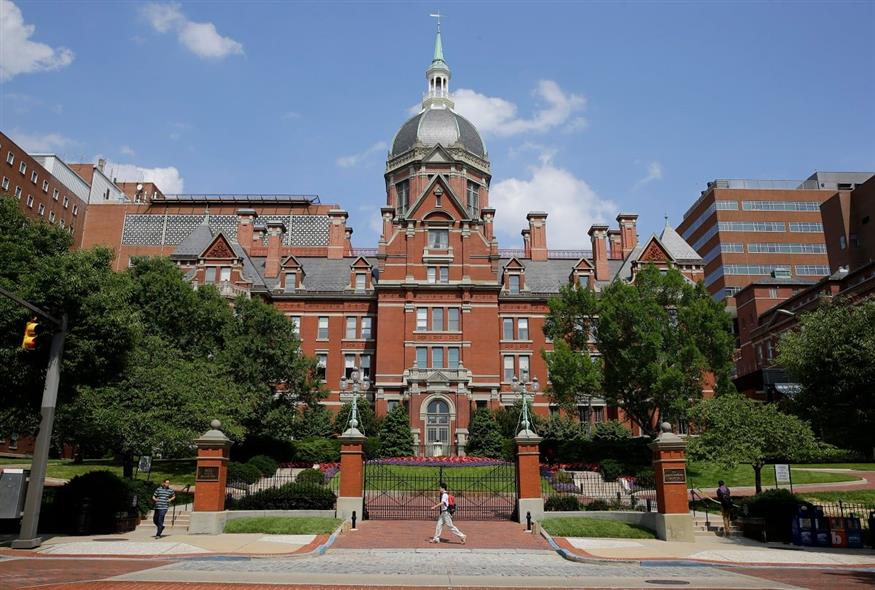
(411, 534)
(813, 579)
(212, 586)
(28, 573)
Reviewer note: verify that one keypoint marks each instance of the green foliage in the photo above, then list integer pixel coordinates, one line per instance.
(777, 507)
(595, 527)
(484, 439)
(610, 431)
(508, 419)
(311, 476)
(612, 469)
(317, 450)
(740, 430)
(573, 317)
(396, 440)
(293, 496)
(280, 450)
(658, 336)
(90, 503)
(563, 438)
(561, 504)
(372, 447)
(598, 505)
(265, 465)
(313, 422)
(368, 424)
(645, 478)
(244, 473)
(827, 453)
(143, 491)
(281, 525)
(575, 377)
(832, 355)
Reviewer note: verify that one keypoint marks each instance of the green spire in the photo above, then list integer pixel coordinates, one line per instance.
(438, 48)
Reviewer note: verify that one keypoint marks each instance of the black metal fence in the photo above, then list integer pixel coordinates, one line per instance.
(570, 489)
(408, 492)
(844, 509)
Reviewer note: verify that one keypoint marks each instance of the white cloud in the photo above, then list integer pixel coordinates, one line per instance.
(168, 179)
(20, 55)
(127, 151)
(41, 143)
(654, 172)
(202, 39)
(356, 159)
(571, 204)
(497, 116)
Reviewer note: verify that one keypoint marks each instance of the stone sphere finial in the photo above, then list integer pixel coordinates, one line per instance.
(665, 427)
(215, 424)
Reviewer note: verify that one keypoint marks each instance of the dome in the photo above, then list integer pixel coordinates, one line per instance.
(436, 126)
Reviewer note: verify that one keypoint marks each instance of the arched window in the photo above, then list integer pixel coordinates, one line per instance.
(437, 422)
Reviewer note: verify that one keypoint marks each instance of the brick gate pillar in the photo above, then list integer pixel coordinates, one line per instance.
(528, 475)
(212, 469)
(352, 475)
(673, 523)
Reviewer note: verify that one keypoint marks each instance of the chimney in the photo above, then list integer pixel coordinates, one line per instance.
(615, 250)
(538, 234)
(336, 233)
(628, 232)
(258, 230)
(275, 231)
(598, 234)
(527, 243)
(101, 164)
(347, 244)
(487, 215)
(245, 222)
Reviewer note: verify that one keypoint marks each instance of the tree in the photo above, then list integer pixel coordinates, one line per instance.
(509, 418)
(737, 430)
(659, 336)
(575, 377)
(368, 423)
(832, 355)
(396, 440)
(313, 422)
(484, 439)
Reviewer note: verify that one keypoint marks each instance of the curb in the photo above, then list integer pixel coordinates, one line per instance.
(568, 555)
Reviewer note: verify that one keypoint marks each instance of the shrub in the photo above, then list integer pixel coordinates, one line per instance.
(611, 469)
(561, 503)
(396, 440)
(610, 430)
(281, 450)
(777, 507)
(645, 478)
(484, 438)
(826, 453)
(562, 476)
(292, 496)
(141, 490)
(310, 477)
(372, 447)
(243, 473)
(265, 465)
(598, 504)
(90, 503)
(317, 450)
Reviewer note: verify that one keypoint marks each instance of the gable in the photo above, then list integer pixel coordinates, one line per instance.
(426, 203)
(360, 263)
(583, 264)
(514, 264)
(219, 248)
(291, 263)
(438, 156)
(654, 252)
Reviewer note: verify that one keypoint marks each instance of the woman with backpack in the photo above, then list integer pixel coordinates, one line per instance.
(447, 505)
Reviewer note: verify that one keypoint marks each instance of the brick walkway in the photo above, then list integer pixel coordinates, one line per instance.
(414, 534)
(25, 573)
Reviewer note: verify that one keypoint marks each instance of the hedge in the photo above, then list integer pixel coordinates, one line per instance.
(292, 496)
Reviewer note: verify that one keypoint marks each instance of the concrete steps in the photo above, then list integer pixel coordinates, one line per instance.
(712, 526)
(180, 524)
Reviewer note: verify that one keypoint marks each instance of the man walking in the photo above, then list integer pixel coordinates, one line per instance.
(445, 517)
(162, 497)
(724, 496)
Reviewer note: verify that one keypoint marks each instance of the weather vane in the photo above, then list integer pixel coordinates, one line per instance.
(437, 15)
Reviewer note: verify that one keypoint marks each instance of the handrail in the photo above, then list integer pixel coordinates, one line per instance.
(697, 494)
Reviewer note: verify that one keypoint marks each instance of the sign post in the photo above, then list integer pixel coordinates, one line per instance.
(783, 475)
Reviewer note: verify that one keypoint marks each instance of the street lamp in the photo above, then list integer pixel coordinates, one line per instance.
(522, 386)
(356, 381)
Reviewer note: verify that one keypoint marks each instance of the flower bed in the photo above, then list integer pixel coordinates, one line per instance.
(329, 470)
(438, 461)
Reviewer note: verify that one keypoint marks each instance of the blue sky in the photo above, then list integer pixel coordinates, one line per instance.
(587, 108)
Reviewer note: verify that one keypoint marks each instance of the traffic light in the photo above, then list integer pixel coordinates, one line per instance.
(29, 341)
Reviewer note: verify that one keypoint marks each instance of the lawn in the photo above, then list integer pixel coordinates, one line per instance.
(855, 466)
(276, 525)
(706, 475)
(427, 479)
(179, 472)
(595, 527)
(857, 497)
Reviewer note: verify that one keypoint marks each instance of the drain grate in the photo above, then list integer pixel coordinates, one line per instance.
(111, 540)
(667, 582)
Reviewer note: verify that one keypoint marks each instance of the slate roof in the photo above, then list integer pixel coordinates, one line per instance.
(677, 247)
(548, 276)
(195, 242)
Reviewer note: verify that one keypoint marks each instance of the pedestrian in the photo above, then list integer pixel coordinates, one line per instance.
(724, 496)
(162, 497)
(445, 518)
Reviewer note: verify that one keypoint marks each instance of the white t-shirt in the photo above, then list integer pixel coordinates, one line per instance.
(445, 501)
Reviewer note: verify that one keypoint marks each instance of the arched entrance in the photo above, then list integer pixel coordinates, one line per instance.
(437, 428)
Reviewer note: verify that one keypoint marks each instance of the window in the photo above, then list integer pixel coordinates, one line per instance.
(46, 188)
(780, 205)
(403, 191)
(507, 329)
(749, 269)
(30, 201)
(513, 283)
(33, 176)
(438, 274)
(437, 319)
(598, 414)
(807, 227)
(360, 281)
(348, 365)
(350, 327)
(812, 270)
(5, 184)
(453, 357)
(210, 275)
(421, 319)
(321, 365)
(42, 209)
(444, 275)
(61, 222)
(56, 193)
(365, 365)
(75, 209)
(785, 248)
(773, 293)
(226, 274)
(473, 199)
(522, 329)
(51, 216)
(291, 279)
(524, 366)
(508, 368)
(367, 328)
(322, 332)
(421, 357)
(453, 319)
(432, 274)
(439, 239)
(18, 192)
(22, 167)
(583, 281)
(296, 325)
(10, 158)
(437, 357)
(727, 206)
(751, 226)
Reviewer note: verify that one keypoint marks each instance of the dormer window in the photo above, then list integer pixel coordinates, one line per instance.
(361, 281)
(291, 281)
(402, 190)
(473, 200)
(513, 284)
(439, 239)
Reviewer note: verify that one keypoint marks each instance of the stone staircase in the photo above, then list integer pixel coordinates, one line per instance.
(712, 525)
(179, 525)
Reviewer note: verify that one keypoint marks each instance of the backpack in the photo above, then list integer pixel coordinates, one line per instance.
(451, 504)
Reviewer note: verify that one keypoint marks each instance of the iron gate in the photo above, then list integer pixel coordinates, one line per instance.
(406, 492)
